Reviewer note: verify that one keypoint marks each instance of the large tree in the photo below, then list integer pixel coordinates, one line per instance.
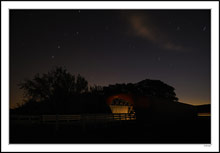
(156, 88)
(57, 89)
(147, 87)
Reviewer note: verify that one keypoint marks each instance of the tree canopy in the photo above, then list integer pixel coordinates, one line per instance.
(147, 87)
(58, 91)
(55, 84)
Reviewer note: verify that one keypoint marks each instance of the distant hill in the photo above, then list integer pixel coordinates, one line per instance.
(203, 108)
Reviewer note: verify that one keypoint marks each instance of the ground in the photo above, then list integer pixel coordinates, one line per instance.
(116, 132)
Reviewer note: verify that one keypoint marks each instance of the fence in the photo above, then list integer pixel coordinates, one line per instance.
(70, 118)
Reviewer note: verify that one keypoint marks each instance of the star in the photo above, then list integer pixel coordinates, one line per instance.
(22, 44)
(158, 58)
(106, 27)
(170, 65)
(131, 46)
(65, 34)
(58, 46)
(178, 28)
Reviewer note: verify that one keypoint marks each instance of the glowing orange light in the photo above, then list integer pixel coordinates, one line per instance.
(126, 97)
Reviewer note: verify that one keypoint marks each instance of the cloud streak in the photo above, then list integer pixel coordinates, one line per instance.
(143, 27)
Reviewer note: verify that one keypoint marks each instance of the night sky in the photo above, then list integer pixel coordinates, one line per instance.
(114, 46)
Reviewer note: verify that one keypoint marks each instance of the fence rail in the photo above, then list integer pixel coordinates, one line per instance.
(70, 118)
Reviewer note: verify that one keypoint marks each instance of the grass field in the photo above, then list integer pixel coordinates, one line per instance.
(196, 132)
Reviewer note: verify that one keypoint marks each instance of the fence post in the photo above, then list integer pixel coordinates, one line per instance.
(106, 121)
(95, 121)
(57, 126)
(83, 121)
(42, 118)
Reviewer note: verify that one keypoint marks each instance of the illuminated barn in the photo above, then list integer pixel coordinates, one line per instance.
(121, 103)
(146, 108)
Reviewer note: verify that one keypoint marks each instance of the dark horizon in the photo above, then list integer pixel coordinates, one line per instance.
(114, 46)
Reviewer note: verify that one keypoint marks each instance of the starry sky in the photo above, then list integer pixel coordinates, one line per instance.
(114, 46)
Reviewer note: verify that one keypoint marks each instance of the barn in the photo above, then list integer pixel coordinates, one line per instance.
(151, 109)
(121, 103)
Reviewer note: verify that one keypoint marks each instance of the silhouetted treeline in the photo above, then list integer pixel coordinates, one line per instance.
(58, 91)
(147, 87)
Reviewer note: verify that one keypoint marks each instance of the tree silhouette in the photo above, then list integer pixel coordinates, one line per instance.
(58, 91)
(55, 83)
(147, 87)
(97, 90)
(156, 88)
(81, 85)
(55, 90)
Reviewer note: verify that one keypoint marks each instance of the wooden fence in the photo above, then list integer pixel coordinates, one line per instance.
(70, 118)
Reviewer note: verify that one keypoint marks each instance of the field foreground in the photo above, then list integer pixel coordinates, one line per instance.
(130, 131)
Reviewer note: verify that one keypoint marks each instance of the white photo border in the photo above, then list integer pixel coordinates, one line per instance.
(213, 6)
